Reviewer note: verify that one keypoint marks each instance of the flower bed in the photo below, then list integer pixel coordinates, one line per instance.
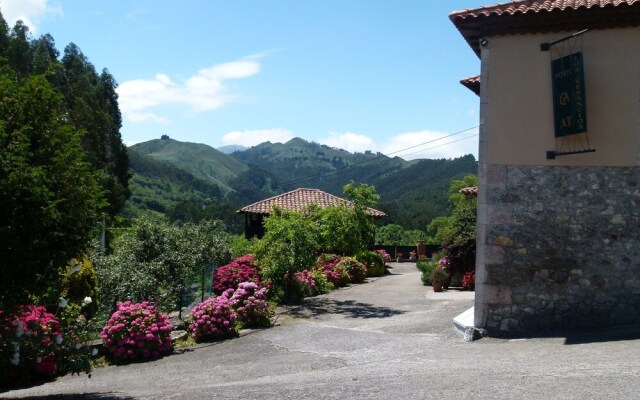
(250, 305)
(214, 319)
(137, 330)
(229, 276)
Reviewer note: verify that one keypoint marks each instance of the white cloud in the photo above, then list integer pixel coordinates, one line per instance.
(31, 12)
(205, 91)
(349, 141)
(409, 145)
(144, 117)
(255, 137)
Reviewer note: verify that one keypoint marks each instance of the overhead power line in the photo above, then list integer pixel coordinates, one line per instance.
(340, 170)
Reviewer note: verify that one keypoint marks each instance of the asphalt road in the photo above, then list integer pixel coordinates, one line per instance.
(390, 338)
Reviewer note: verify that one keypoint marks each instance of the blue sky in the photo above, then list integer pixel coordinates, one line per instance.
(360, 75)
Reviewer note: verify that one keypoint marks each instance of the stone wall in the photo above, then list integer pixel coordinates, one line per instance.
(558, 248)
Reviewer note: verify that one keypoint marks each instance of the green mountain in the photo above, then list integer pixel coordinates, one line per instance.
(202, 161)
(299, 163)
(193, 181)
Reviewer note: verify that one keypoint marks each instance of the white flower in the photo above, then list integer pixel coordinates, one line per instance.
(78, 345)
(63, 303)
(87, 300)
(58, 339)
(19, 329)
(38, 360)
(94, 352)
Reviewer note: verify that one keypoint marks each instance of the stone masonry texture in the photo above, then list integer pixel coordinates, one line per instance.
(562, 248)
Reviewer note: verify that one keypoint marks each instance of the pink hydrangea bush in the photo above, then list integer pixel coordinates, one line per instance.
(29, 341)
(250, 304)
(305, 283)
(137, 331)
(356, 270)
(229, 276)
(214, 318)
(328, 264)
(385, 256)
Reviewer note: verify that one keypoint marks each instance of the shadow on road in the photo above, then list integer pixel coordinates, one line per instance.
(349, 308)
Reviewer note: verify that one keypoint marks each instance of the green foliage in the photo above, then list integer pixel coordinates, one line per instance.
(79, 281)
(426, 267)
(395, 235)
(373, 261)
(153, 259)
(241, 246)
(362, 196)
(288, 246)
(50, 198)
(439, 275)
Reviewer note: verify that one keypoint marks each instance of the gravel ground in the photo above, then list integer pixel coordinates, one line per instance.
(390, 338)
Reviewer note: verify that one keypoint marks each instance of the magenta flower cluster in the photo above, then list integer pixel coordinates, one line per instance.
(250, 304)
(305, 278)
(444, 263)
(330, 268)
(137, 330)
(214, 318)
(31, 338)
(229, 276)
(385, 256)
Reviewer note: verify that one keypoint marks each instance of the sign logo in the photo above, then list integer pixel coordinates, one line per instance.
(569, 102)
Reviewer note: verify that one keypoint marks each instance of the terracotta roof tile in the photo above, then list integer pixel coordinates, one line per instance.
(531, 16)
(472, 83)
(298, 200)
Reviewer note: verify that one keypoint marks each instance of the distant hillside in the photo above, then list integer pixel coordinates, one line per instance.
(202, 161)
(299, 163)
(192, 181)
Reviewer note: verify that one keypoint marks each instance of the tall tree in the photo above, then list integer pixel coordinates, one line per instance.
(92, 103)
(50, 198)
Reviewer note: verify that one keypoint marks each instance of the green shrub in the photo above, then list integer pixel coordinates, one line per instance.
(79, 284)
(356, 270)
(241, 246)
(373, 261)
(426, 267)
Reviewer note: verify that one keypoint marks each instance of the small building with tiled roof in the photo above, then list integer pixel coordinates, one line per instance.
(558, 243)
(295, 200)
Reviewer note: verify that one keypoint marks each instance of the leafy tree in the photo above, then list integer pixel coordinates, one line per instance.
(458, 231)
(288, 246)
(153, 259)
(50, 198)
(362, 196)
(391, 234)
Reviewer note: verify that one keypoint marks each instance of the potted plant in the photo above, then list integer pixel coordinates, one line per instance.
(439, 277)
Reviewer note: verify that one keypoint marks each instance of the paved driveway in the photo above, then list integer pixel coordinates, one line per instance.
(390, 338)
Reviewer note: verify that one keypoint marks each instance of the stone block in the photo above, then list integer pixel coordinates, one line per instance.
(494, 294)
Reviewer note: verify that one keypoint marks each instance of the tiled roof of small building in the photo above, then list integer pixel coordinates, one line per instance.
(298, 200)
(530, 16)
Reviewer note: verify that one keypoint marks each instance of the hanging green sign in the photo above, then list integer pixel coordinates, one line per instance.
(569, 103)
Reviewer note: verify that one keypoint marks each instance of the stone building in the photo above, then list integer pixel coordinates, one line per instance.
(559, 164)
